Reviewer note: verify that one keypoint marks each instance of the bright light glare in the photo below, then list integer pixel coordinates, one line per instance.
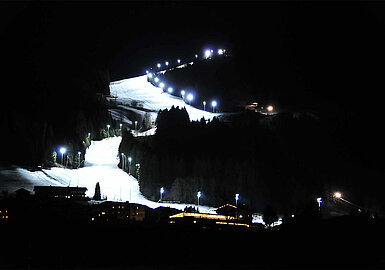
(158, 65)
(214, 103)
(170, 90)
(161, 85)
(270, 108)
(338, 195)
(199, 194)
(149, 75)
(63, 150)
(161, 190)
(220, 51)
(156, 79)
(207, 53)
(178, 61)
(196, 56)
(182, 92)
(190, 97)
(166, 63)
(237, 196)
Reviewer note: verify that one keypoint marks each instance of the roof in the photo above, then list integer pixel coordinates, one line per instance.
(226, 205)
(201, 216)
(59, 189)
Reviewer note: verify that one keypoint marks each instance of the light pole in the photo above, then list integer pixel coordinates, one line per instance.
(161, 193)
(213, 104)
(190, 97)
(79, 158)
(204, 105)
(129, 164)
(236, 199)
(62, 151)
(198, 195)
(319, 201)
(136, 125)
(108, 131)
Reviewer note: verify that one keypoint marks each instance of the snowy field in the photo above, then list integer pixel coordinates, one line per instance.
(100, 165)
(139, 91)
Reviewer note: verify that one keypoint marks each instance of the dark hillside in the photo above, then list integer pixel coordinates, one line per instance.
(49, 85)
(282, 160)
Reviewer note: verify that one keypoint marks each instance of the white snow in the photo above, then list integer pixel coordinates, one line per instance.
(100, 165)
(152, 98)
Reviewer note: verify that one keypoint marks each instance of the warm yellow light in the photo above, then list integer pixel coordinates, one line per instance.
(338, 195)
(270, 108)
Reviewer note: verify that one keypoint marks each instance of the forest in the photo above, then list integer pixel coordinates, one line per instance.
(246, 153)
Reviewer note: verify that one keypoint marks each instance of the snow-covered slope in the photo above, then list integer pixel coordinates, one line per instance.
(100, 165)
(144, 95)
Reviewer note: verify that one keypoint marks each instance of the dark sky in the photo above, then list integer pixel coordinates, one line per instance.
(320, 46)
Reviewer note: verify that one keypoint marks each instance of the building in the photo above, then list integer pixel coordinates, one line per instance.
(241, 213)
(205, 220)
(118, 211)
(57, 192)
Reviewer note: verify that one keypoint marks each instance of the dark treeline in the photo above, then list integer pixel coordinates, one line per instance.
(282, 160)
(50, 78)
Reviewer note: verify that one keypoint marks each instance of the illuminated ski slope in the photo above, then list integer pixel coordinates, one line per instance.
(139, 91)
(100, 165)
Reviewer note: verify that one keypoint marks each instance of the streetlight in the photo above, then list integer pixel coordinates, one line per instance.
(204, 105)
(149, 75)
(270, 108)
(220, 51)
(190, 97)
(158, 65)
(319, 201)
(236, 199)
(178, 61)
(183, 93)
(170, 90)
(198, 195)
(156, 79)
(62, 151)
(108, 130)
(161, 193)
(196, 56)
(129, 164)
(161, 85)
(337, 195)
(207, 53)
(213, 104)
(166, 63)
(122, 161)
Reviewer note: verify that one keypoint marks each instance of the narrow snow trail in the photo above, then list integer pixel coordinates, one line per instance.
(152, 98)
(101, 165)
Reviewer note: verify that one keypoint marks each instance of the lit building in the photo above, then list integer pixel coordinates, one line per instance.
(55, 192)
(118, 211)
(229, 217)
